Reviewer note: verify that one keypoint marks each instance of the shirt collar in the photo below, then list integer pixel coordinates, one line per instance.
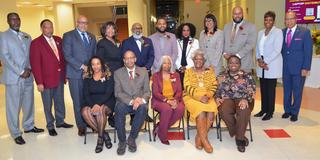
(293, 29)
(47, 38)
(15, 32)
(134, 69)
(85, 33)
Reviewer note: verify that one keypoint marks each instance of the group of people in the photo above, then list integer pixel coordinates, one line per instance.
(109, 80)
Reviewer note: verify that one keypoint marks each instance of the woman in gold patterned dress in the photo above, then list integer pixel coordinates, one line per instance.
(200, 85)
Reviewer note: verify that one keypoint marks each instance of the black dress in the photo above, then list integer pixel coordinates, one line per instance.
(110, 54)
(98, 92)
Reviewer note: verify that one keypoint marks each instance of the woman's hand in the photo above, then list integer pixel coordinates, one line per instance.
(95, 109)
(243, 104)
(204, 99)
(219, 101)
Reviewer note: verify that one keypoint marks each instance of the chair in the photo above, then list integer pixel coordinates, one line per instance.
(156, 114)
(189, 127)
(249, 128)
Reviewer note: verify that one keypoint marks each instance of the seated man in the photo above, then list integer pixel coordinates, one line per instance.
(132, 92)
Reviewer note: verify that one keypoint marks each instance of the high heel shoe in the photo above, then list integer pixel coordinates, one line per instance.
(107, 140)
(99, 146)
(166, 142)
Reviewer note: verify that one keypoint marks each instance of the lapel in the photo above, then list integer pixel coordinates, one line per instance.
(135, 45)
(243, 26)
(45, 43)
(268, 36)
(22, 42)
(160, 82)
(295, 34)
(188, 46)
(79, 38)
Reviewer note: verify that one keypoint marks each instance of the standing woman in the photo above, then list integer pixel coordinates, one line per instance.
(268, 54)
(211, 42)
(97, 97)
(187, 44)
(108, 48)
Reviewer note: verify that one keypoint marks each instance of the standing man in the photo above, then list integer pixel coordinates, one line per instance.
(239, 39)
(132, 92)
(48, 68)
(164, 43)
(17, 77)
(142, 47)
(297, 56)
(78, 47)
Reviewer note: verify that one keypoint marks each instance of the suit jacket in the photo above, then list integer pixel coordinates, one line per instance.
(125, 90)
(14, 56)
(75, 52)
(271, 53)
(145, 57)
(191, 47)
(243, 45)
(46, 68)
(299, 55)
(157, 87)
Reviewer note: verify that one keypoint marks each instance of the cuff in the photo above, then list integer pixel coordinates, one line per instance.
(238, 55)
(130, 103)
(144, 101)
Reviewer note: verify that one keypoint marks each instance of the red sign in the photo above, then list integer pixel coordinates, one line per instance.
(307, 11)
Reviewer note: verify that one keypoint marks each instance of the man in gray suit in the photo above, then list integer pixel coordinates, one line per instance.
(239, 39)
(17, 77)
(78, 47)
(132, 92)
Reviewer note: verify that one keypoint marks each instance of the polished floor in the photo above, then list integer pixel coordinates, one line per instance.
(303, 143)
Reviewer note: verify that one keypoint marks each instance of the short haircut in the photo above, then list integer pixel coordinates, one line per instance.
(180, 30)
(198, 52)
(43, 21)
(11, 14)
(270, 14)
(161, 17)
(105, 26)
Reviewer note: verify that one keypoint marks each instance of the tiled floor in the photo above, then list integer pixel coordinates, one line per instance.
(303, 143)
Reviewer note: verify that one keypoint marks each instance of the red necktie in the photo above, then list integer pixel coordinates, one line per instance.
(131, 76)
(289, 38)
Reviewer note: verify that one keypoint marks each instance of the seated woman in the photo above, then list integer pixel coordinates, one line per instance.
(235, 98)
(200, 85)
(166, 98)
(97, 96)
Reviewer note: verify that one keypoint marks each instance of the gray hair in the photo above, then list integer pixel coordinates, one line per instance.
(172, 68)
(198, 52)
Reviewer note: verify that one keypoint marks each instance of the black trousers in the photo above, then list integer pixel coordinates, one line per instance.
(268, 94)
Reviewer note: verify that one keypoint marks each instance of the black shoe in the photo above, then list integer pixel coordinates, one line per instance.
(111, 121)
(132, 146)
(294, 118)
(148, 119)
(64, 125)
(121, 148)
(268, 116)
(259, 114)
(241, 145)
(81, 131)
(19, 140)
(35, 130)
(52, 132)
(99, 146)
(285, 115)
(107, 140)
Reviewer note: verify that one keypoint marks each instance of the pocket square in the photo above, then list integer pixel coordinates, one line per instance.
(298, 39)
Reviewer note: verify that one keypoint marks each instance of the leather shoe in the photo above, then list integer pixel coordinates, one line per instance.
(132, 146)
(166, 142)
(52, 132)
(241, 145)
(111, 121)
(259, 114)
(268, 116)
(121, 148)
(294, 118)
(81, 131)
(19, 140)
(35, 130)
(64, 125)
(285, 115)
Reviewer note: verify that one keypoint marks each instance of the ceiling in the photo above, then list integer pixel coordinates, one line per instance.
(49, 3)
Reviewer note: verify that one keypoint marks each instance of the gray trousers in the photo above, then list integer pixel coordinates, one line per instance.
(55, 95)
(76, 91)
(19, 96)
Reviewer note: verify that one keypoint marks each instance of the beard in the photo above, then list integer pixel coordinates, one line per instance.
(137, 36)
(239, 21)
(161, 31)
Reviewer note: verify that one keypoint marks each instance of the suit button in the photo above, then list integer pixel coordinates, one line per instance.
(59, 70)
(288, 52)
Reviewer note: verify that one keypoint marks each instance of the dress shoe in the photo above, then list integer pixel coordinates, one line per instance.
(19, 140)
(81, 131)
(121, 148)
(148, 119)
(64, 125)
(52, 132)
(34, 130)
(107, 140)
(166, 142)
(111, 121)
(99, 146)
(259, 114)
(294, 118)
(241, 145)
(268, 116)
(132, 146)
(285, 115)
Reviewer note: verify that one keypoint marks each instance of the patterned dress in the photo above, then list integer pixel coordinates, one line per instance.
(196, 86)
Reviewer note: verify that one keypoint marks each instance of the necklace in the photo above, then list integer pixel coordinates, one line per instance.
(200, 77)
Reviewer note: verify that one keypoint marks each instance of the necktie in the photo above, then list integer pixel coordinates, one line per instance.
(131, 75)
(85, 40)
(53, 47)
(233, 32)
(289, 37)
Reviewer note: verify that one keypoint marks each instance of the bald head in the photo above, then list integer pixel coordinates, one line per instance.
(290, 19)
(129, 59)
(136, 30)
(82, 23)
(237, 14)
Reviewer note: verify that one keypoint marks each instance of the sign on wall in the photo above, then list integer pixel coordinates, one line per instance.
(307, 11)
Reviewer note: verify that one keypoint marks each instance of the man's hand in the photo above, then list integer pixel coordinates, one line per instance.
(40, 87)
(26, 74)
(304, 72)
(84, 68)
(219, 101)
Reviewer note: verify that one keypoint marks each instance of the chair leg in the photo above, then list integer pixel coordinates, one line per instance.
(188, 125)
(85, 136)
(217, 129)
(115, 135)
(220, 128)
(250, 130)
(148, 128)
(184, 134)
